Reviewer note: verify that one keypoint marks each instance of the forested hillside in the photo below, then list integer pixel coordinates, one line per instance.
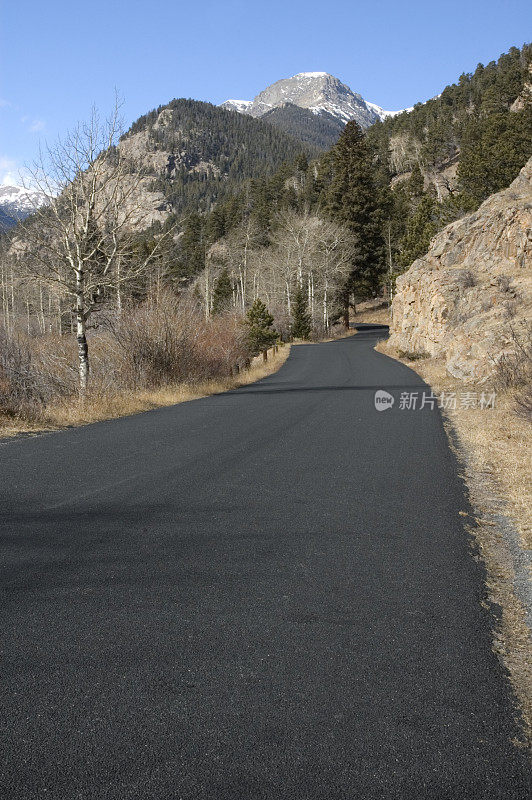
(482, 125)
(200, 154)
(320, 130)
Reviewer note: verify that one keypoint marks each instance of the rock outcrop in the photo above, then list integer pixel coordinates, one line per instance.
(470, 296)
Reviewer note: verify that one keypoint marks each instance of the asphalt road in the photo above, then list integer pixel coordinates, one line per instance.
(264, 594)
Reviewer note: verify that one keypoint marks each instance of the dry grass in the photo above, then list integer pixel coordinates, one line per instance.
(373, 311)
(337, 333)
(493, 445)
(69, 412)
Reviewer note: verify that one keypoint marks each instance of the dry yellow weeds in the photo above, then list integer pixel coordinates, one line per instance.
(373, 311)
(110, 406)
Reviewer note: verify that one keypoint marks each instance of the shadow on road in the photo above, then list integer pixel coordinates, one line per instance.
(265, 388)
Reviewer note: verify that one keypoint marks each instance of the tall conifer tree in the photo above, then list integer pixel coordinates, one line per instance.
(223, 293)
(300, 316)
(353, 199)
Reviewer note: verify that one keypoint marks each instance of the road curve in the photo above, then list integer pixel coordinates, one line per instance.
(267, 594)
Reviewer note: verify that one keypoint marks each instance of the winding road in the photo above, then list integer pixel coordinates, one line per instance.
(268, 593)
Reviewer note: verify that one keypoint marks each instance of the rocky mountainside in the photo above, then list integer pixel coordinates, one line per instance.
(469, 296)
(197, 154)
(17, 203)
(319, 92)
(460, 137)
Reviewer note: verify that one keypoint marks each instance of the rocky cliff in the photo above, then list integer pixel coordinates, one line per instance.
(473, 290)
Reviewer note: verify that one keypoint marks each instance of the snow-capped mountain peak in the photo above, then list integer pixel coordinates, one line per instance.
(237, 105)
(318, 92)
(17, 202)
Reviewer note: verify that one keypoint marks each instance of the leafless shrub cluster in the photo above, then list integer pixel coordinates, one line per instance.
(466, 279)
(26, 385)
(514, 371)
(157, 344)
(411, 356)
(171, 342)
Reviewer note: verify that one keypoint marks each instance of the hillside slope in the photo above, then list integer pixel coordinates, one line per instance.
(319, 130)
(473, 290)
(461, 137)
(198, 153)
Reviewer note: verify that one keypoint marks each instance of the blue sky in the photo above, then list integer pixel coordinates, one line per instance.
(58, 58)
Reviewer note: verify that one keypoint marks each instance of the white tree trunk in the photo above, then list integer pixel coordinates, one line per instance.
(118, 288)
(207, 294)
(81, 334)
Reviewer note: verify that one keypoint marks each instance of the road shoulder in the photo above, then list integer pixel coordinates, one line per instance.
(491, 447)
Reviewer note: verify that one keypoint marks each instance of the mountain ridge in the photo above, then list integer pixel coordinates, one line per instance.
(319, 92)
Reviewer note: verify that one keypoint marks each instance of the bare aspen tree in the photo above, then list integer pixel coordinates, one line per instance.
(307, 251)
(315, 254)
(333, 252)
(82, 242)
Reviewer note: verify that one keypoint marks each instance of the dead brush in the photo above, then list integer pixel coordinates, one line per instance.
(24, 390)
(157, 353)
(513, 372)
(171, 342)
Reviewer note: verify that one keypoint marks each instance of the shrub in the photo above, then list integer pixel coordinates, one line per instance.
(154, 345)
(410, 356)
(514, 371)
(22, 393)
(466, 279)
(171, 342)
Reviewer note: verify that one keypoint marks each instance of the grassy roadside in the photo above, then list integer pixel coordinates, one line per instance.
(372, 311)
(111, 406)
(492, 446)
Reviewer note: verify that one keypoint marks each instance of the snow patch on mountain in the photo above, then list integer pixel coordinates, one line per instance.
(18, 202)
(334, 109)
(382, 114)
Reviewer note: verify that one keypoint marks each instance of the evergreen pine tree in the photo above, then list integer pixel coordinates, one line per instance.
(420, 229)
(260, 333)
(415, 184)
(301, 323)
(223, 293)
(353, 200)
(302, 163)
(192, 246)
(215, 227)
